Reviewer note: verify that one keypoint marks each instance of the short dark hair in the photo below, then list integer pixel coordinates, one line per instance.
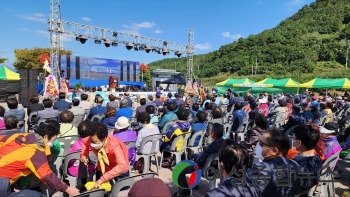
(47, 103)
(201, 116)
(296, 100)
(261, 121)
(170, 95)
(213, 98)
(111, 97)
(98, 99)
(218, 130)
(216, 113)
(144, 117)
(158, 96)
(11, 122)
(183, 113)
(208, 106)
(296, 108)
(110, 112)
(62, 95)
(308, 135)
(85, 129)
(34, 99)
(2, 111)
(84, 97)
(47, 129)
(75, 102)
(238, 105)
(195, 107)
(143, 101)
(54, 123)
(150, 109)
(100, 130)
(279, 140)
(330, 105)
(171, 106)
(282, 103)
(12, 103)
(233, 155)
(323, 105)
(66, 116)
(150, 98)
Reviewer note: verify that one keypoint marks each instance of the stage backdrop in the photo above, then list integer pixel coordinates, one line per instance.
(92, 68)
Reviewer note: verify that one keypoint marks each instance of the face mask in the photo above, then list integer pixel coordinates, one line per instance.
(258, 152)
(96, 146)
(50, 144)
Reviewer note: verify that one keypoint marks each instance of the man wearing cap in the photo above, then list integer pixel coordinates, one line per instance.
(314, 110)
(309, 117)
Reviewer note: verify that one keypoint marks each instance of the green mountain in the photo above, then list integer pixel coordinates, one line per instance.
(313, 40)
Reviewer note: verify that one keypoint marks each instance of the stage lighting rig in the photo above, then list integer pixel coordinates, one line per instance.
(129, 46)
(114, 44)
(107, 42)
(178, 53)
(81, 38)
(97, 41)
(147, 49)
(165, 51)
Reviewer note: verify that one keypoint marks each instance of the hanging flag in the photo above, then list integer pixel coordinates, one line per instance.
(46, 66)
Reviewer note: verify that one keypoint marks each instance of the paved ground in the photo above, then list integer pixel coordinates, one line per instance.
(342, 184)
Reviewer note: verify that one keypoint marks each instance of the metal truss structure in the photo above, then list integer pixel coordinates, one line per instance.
(57, 27)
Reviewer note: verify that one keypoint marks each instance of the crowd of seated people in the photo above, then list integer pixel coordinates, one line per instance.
(303, 150)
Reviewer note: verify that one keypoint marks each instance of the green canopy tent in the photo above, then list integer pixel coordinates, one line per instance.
(9, 82)
(327, 83)
(287, 85)
(224, 85)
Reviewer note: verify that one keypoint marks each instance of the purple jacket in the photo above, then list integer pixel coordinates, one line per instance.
(128, 136)
(332, 146)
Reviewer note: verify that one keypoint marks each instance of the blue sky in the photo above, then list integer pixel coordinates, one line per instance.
(215, 23)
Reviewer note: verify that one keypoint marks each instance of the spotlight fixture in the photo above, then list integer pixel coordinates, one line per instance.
(115, 34)
(135, 48)
(129, 46)
(81, 38)
(148, 49)
(165, 51)
(97, 41)
(178, 53)
(114, 44)
(107, 42)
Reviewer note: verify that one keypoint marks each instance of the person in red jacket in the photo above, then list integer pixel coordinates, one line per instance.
(112, 154)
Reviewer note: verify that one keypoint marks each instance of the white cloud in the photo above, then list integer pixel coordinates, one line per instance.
(38, 15)
(125, 26)
(43, 33)
(86, 19)
(97, 61)
(204, 46)
(227, 34)
(33, 18)
(25, 29)
(9, 10)
(158, 31)
(144, 25)
(296, 2)
(68, 38)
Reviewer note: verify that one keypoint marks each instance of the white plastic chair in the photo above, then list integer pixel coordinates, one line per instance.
(167, 126)
(207, 164)
(66, 143)
(99, 117)
(195, 149)
(173, 149)
(128, 182)
(154, 139)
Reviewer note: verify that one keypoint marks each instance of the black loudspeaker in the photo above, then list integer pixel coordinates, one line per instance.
(128, 71)
(134, 73)
(33, 75)
(24, 77)
(121, 71)
(42, 79)
(77, 68)
(24, 96)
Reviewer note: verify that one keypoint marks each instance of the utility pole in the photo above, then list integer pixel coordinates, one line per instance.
(256, 64)
(347, 54)
(252, 69)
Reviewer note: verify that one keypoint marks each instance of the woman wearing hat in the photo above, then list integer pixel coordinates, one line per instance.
(264, 108)
(329, 131)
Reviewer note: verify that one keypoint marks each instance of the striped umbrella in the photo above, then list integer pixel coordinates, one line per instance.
(7, 74)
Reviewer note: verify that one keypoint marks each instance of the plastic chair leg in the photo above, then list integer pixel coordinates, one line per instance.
(147, 164)
(155, 157)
